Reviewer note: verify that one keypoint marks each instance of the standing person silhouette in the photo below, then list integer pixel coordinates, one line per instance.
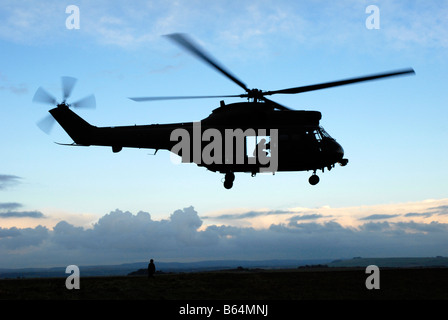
(151, 269)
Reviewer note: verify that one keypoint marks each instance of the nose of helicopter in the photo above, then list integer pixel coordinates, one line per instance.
(335, 150)
(338, 150)
(338, 153)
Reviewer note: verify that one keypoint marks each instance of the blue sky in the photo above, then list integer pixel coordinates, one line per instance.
(393, 131)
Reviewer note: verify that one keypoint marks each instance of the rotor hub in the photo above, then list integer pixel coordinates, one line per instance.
(255, 94)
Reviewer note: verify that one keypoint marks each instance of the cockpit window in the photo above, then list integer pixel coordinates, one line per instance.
(313, 134)
(309, 134)
(324, 133)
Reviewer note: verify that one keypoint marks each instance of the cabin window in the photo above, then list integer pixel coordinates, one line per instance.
(261, 141)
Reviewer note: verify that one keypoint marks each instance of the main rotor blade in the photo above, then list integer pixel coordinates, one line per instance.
(140, 99)
(189, 45)
(340, 82)
(42, 96)
(88, 102)
(67, 86)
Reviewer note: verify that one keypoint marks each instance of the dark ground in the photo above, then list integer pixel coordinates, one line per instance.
(241, 285)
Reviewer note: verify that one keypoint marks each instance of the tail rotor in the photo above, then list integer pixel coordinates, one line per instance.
(42, 96)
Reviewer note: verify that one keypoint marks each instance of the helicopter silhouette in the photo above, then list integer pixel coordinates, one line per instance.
(258, 135)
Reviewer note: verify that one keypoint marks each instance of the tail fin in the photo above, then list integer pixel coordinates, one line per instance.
(76, 127)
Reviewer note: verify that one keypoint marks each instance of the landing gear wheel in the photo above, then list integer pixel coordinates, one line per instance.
(313, 180)
(229, 178)
(228, 184)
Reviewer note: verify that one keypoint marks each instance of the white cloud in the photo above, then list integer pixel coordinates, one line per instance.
(234, 24)
(120, 237)
(418, 22)
(31, 21)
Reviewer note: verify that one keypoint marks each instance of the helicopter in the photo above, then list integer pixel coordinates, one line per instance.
(254, 136)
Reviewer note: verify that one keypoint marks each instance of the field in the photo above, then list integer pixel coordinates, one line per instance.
(241, 285)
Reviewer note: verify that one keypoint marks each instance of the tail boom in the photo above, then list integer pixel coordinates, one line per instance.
(147, 136)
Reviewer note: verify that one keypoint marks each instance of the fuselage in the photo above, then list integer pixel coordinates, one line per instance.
(294, 138)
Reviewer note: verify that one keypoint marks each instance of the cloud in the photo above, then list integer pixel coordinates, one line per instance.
(376, 227)
(380, 216)
(415, 214)
(10, 211)
(32, 22)
(7, 181)
(422, 23)
(13, 240)
(21, 214)
(9, 205)
(11, 232)
(441, 210)
(120, 237)
(433, 227)
(16, 89)
(6, 85)
(248, 214)
(313, 216)
(234, 25)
